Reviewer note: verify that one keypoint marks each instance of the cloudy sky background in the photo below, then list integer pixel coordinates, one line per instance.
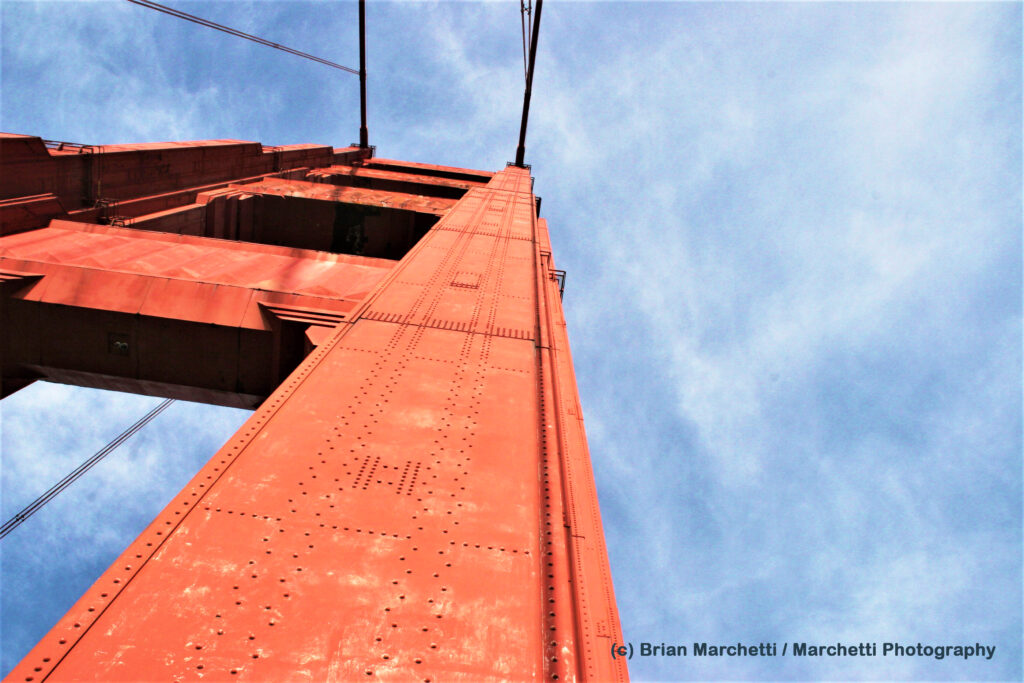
(793, 241)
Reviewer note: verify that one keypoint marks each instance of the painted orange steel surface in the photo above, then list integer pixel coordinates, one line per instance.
(167, 296)
(413, 502)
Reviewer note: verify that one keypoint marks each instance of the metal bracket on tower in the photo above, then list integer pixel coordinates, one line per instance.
(559, 275)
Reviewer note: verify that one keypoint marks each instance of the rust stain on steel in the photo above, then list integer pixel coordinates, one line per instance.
(413, 502)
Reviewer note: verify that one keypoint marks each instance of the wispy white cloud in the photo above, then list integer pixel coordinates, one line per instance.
(808, 282)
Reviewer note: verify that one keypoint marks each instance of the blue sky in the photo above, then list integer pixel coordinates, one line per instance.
(792, 233)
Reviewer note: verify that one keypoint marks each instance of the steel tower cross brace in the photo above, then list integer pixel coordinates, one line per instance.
(413, 501)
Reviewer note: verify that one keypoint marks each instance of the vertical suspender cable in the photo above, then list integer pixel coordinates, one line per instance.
(521, 150)
(33, 507)
(523, 13)
(364, 135)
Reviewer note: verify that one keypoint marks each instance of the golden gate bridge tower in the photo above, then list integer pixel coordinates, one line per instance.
(412, 498)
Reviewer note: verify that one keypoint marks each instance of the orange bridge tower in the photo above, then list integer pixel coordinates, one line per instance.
(412, 498)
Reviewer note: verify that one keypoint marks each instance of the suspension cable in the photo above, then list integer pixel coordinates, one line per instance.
(235, 32)
(524, 20)
(33, 507)
(521, 150)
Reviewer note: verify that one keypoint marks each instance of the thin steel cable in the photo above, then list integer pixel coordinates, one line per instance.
(33, 507)
(240, 34)
(523, 22)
